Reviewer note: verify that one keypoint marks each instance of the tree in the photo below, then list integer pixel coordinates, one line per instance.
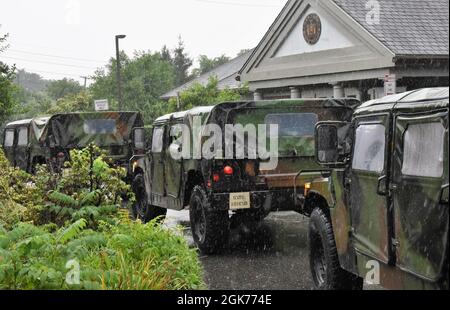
(30, 81)
(181, 63)
(144, 79)
(62, 88)
(6, 85)
(207, 64)
(199, 95)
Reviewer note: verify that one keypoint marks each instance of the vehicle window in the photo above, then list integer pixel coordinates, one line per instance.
(100, 127)
(158, 140)
(424, 150)
(9, 138)
(370, 148)
(22, 139)
(294, 124)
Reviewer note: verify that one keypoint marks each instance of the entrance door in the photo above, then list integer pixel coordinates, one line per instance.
(369, 207)
(22, 148)
(420, 180)
(157, 162)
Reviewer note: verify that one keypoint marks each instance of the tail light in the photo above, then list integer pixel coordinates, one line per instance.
(228, 170)
(216, 177)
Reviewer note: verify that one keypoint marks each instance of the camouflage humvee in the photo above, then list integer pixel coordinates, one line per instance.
(387, 218)
(48, 140)
(213, 187)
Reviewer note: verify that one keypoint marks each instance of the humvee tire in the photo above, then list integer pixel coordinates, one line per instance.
(141, 210)
(210, 229)
(324, 261)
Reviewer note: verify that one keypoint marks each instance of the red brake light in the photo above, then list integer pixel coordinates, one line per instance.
(228, 170)
(216, 177)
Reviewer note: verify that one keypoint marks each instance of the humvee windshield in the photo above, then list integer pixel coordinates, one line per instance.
(295, 130)
(100, 127)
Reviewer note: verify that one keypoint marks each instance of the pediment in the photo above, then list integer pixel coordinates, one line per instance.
(291, 48)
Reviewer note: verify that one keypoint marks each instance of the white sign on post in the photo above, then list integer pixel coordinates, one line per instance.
(390, 84)
(101, 105)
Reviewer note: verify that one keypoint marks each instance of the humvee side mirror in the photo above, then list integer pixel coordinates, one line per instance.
(332, 147)
(139, 141)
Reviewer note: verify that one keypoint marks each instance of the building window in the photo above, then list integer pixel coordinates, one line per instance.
(424, 150)
(370, 148)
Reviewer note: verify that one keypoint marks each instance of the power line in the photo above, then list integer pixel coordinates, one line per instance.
(55, 56)
(51, 72)
(49, 63)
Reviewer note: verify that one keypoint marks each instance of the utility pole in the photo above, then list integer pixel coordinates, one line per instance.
(119, 82)
(85, 81)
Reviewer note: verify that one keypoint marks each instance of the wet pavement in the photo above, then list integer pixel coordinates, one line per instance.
(272, 256)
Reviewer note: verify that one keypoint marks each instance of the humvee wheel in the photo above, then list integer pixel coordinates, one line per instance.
(141, 210)
(210, 229)
(324, 261)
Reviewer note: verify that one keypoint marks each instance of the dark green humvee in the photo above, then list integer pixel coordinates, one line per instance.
(49, 140)
(388, 207)
(245, 186)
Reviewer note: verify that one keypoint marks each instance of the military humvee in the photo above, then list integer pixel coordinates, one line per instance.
(48, 140)
(387, 216)
(243, 185)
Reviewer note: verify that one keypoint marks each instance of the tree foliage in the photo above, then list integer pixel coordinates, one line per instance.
(6, 86)
(199, 95)
(181, 63)
(61, 88)
(207, 64)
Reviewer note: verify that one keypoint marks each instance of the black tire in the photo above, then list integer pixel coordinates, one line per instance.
(324, 260)
(210, 229)
(141, 210)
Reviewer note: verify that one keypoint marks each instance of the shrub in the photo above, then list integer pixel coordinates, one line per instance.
(129, 256)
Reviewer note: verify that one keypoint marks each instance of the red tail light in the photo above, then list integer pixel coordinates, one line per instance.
(216, 177)
(228, 170)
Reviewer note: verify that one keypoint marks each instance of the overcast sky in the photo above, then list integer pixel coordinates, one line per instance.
(58, 38)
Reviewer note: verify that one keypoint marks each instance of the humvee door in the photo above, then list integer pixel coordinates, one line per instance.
(369, 206)
(419, 187)
(22, 148)
(8, 145)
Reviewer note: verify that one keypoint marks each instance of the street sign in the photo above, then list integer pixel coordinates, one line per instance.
(390, 84)
(101, 105)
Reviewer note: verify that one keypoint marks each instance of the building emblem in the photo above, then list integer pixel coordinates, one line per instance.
(312, 29)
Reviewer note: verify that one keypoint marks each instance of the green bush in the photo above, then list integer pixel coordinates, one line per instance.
(49, 220)
(129, 256)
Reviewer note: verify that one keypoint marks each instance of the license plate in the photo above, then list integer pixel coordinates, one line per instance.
(240, 201)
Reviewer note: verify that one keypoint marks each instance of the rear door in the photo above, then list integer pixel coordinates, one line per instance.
(22, 148)
(420, 179)
(369, 208)
(8, 145)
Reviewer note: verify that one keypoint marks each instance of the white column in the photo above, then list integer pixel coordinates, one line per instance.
(338, 91)
(257, 95)
(295, 93)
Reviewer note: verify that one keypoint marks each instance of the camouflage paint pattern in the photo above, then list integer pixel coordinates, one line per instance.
(406, 231)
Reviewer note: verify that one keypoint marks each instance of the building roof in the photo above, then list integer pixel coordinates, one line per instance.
(226, 75)
(407, 27)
